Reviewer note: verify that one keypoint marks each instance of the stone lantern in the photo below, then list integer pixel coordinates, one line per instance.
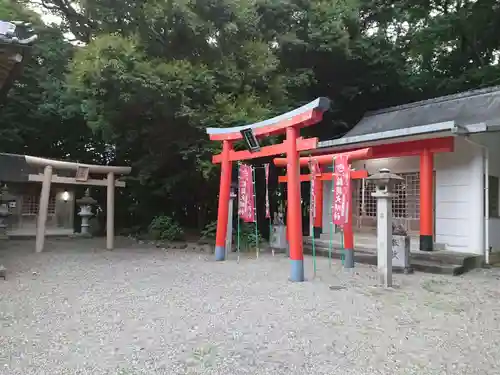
(5, 199)
(85, 203)
(384, 182)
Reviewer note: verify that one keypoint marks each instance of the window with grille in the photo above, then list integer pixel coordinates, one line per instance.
(31, 204)
(405, 205)
(493, 196)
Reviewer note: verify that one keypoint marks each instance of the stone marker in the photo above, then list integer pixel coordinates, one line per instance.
(384, 183)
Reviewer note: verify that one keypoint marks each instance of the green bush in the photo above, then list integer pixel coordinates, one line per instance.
(248, 237)
(165, 228)
(209, 231)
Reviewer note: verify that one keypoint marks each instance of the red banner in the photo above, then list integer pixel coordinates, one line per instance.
(341, 191)
(268, 209)
(315, 171)
(246, 204)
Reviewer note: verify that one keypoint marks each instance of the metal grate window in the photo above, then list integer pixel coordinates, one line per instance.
(31, 205)
(405, 205)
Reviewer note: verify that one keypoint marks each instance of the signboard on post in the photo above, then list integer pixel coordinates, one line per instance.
(341, 191)
(82, 174)
(246, 204)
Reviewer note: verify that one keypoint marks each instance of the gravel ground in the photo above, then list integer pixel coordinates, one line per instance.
(77, 309)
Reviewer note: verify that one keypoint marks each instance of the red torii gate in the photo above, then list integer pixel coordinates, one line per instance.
(288, 123)
(328, 160)
(425, 150)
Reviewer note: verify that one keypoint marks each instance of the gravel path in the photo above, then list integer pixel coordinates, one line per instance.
(137, 310)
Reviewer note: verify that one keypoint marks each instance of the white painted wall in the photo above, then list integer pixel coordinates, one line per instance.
(459, 198)
(492, 142)
(459, 193)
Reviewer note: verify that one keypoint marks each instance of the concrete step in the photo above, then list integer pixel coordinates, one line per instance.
(368, 241)
(437, 268)
(438, 262)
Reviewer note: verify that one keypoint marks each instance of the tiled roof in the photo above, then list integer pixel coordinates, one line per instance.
(467, 108)
(16, 40)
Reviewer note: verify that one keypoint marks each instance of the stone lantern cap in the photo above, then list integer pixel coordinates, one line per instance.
(384, 177)
(5, 196)
(86, 200)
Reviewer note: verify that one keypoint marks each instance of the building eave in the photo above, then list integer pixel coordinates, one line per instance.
(438, 130)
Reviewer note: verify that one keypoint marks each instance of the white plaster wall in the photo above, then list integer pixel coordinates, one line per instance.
(492, 142)
(459, 198)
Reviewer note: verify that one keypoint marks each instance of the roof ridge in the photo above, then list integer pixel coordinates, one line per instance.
(439, 99)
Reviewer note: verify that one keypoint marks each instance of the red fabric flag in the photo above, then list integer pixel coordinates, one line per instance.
(246, 204)
(341, 191)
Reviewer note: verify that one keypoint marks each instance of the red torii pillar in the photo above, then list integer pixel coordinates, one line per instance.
(360, 154)
(426, 200)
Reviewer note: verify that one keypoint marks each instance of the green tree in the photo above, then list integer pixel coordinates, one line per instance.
(155, 74)
(38, 116)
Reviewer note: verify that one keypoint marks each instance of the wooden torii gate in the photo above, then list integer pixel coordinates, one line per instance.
(328, 160)
(290, 124)
(82, 173)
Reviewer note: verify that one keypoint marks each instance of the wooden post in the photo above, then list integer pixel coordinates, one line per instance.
(110, 217)
(349, 234)
(43, 209)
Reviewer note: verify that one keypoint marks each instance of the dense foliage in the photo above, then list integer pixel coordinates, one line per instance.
(153, 75)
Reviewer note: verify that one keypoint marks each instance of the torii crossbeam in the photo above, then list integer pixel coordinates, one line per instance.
(290, 124)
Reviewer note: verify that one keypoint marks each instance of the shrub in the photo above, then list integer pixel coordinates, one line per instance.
(248, 237)
(209, 231)
(165, 228)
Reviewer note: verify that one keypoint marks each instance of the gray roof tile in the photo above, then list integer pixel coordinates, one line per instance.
(465, 108)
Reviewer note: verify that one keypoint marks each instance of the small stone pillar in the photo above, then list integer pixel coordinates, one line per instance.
(86, 203)
(384, 183)
(229, 234)
(5, 199)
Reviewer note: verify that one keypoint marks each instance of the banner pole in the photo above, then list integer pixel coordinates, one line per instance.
(312, 204)
(255, 214)
(268, 209)
(330, 243)
(239, 204)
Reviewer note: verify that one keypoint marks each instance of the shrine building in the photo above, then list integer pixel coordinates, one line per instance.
(447, 151)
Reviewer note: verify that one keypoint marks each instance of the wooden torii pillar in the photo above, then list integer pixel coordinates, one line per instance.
(328, 160)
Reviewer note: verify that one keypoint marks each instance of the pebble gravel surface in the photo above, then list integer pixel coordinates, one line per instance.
(140, 309)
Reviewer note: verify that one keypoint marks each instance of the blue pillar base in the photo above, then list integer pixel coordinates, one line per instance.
(297, 270)
(348, 258)
(220, 253)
